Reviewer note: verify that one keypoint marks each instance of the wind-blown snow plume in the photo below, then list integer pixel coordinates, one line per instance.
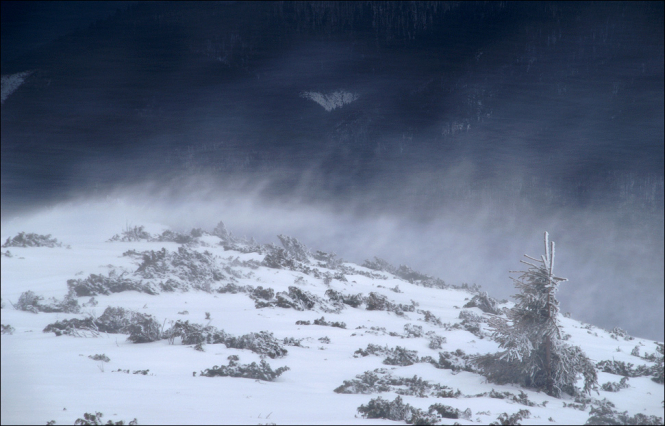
(12, 82)
(334, 100)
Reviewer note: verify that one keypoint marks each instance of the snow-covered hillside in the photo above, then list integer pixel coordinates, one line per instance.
(201, 323)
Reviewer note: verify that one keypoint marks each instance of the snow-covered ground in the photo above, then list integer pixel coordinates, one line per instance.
(47, 377)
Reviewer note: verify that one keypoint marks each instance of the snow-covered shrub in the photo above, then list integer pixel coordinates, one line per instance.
(512, 419)
(603, 413)
(99, 357)
(614, 386)
(408, 274)
(456, 361)
(379, 408)
(435, 341)
(379, 264)
(192, 268)
(30, 302)
(446, 411)
(380, 380)
(626, 369)
(429, 317)
(263, 293)
(401, 356)
(32, 240)
(7, 329)
(292, 341)
(263, 343)
(96, 419)
(137, 233)
(177, 237)
(327, 260)
(411, 330)
(353, 300)
(618, 333)
(114, 320)
(367, 383)
(371, 349)
(193, 334)
(95, 285)
(322, 321)
(297, 299)
(261, 371)
(235, 289)
(294, 248)
(471, 323)
(535, 354)
(522, 398)
(377, 302)
(143, 328)
(658, 368)
(485, 303)
(278, 258)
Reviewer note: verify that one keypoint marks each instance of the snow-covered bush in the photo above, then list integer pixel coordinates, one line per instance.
(619, 333)
(380, 380)
(295, 298)
(261, 371)
(137, 233)
(295, 249)
(535, 354)
(192, 268)
(96, 284)
(143, 328)
(429, 317)
(193, 334)
(379, 408)
(322, 321)
(377, 302)
(401, 356)
(448, 412)
(96, 419)
(177, 237)
(99, 357)
(485, 303)
(512, 419)
(471, 323)
(263, 293)
(614, 386)
(327, 260)
(7, 329)
(263, 343)
(353, 300)
(32, 240)
(30, 302)
(626, 369)
(603, 413)
(379, 264)
(278, 258)
(435, 341)
(411, 330)
(456, 361)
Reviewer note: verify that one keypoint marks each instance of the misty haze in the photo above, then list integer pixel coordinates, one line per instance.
(443, 136)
